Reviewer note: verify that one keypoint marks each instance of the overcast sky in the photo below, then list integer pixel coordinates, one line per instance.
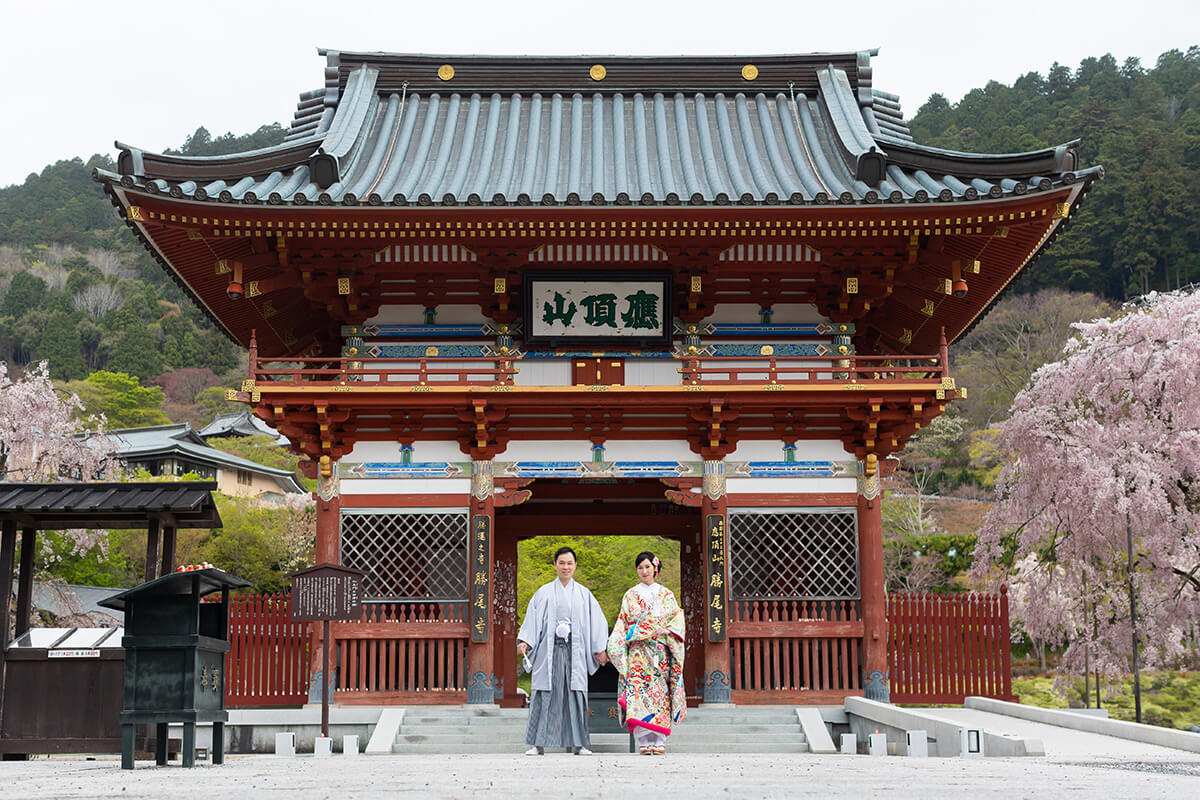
(80, 74)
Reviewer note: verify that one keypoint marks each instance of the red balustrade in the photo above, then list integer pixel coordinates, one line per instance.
(944, 648)
(268, 653)
(403, 652)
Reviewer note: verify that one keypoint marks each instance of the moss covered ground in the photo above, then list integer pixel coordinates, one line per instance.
(1170, 698)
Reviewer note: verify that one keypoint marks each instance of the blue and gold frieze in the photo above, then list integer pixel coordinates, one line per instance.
(767, 330)
(598, 469)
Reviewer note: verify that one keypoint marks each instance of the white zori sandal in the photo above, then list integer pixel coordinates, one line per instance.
(535, 751)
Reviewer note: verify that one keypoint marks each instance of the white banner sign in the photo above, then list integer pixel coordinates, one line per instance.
(72, 653)
(590, 309)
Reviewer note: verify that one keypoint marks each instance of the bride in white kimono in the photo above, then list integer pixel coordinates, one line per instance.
(567, 633)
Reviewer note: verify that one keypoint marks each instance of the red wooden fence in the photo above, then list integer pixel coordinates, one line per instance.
(268, 655)
(944, 648)
(403, 652)
(802, 651)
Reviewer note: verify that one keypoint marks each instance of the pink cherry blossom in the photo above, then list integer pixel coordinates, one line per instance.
(43, 440)
(1105, 444)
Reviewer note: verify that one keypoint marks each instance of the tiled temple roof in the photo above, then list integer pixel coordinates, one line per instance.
(391, 129)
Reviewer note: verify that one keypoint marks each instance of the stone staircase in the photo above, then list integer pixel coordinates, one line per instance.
(461, 729)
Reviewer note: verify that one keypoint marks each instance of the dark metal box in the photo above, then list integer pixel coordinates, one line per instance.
(175, 648)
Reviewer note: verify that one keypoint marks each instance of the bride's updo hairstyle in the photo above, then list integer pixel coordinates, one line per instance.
(646, 555)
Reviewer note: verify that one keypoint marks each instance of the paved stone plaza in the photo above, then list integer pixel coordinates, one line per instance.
(559, 775)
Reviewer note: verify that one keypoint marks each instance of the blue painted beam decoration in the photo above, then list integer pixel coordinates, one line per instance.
(600, 469)
(396, 469)
(769, 329)
(789, 469)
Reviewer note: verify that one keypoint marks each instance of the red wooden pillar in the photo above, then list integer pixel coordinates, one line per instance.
(481, 652)
(717, 680)
(504, 615)
(329, 519)
(873, 605)
(695, 603)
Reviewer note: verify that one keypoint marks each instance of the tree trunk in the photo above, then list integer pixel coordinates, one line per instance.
(1137, 678)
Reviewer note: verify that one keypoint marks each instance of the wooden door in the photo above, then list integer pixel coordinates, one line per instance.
(592, 371)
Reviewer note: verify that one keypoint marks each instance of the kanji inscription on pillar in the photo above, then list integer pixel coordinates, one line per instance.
(715, 532)
(481, 553)
(327, 591)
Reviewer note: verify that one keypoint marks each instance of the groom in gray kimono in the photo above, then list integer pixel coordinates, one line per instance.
(568, 634)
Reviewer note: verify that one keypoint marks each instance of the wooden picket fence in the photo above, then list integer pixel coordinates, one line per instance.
(269, 653)
(403, 653)
(794, 651)
(944, 648)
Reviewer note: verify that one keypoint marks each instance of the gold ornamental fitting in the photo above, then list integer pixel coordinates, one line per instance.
(445, 72)
(767, 350)
(749, 72)
(691, 349)
(597, 72)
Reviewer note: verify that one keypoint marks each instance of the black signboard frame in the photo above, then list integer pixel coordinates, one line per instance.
(715, 531)
(659, 338)
(322, 593)
(481, 549)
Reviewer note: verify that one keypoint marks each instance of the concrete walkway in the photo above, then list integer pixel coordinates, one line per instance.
(1064, 744)
(693, 776)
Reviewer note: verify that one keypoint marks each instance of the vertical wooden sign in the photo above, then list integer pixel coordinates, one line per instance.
(714, 530)
(481, 552)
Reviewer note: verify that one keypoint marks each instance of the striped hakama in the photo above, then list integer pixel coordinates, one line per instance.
(559, 717)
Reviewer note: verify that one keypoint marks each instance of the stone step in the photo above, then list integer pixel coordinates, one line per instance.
(737, 747)
(707, 732)
(601, 743)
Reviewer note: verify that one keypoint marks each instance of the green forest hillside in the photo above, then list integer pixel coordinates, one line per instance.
(1139, 228)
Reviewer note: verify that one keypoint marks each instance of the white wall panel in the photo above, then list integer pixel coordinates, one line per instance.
(789, 485)
(407, 486)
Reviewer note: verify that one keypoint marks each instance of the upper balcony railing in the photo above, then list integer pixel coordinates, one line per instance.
(715, 371)
(685, 370)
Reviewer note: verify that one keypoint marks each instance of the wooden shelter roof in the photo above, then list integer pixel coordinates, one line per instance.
(58, 506)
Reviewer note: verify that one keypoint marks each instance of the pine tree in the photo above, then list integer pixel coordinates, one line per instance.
(62, 348)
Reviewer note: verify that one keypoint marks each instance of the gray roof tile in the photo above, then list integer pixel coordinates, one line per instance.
(365, 139)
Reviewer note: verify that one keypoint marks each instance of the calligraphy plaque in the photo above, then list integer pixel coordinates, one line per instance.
(327, 592)
(714, 530)
(481, 555)
(598, 308)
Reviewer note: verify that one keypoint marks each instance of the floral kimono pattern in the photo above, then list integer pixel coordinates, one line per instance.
(650, 690)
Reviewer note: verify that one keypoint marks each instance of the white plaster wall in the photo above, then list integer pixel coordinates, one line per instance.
(649, 450)
(543, 372)
(639, 372)
(390, 452)
(398, 315)
(757, 451)
(795, 312)
(789, 485)
(805, 451)
(570, 450)
(415, 315)
(743, 313)
(406, 486)
(821, 450)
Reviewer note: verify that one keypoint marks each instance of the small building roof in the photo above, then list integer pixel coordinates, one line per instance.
(63, 506)
(241, 423)
(395, 129)
(181, 440)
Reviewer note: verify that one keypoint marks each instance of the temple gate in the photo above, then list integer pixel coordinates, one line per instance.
(712, 293)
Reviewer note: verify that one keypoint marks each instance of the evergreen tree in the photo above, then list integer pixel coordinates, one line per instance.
(25, 292)
(134, 352)
(61, 348)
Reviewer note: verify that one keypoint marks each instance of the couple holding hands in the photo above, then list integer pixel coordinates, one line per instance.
(567, 633)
